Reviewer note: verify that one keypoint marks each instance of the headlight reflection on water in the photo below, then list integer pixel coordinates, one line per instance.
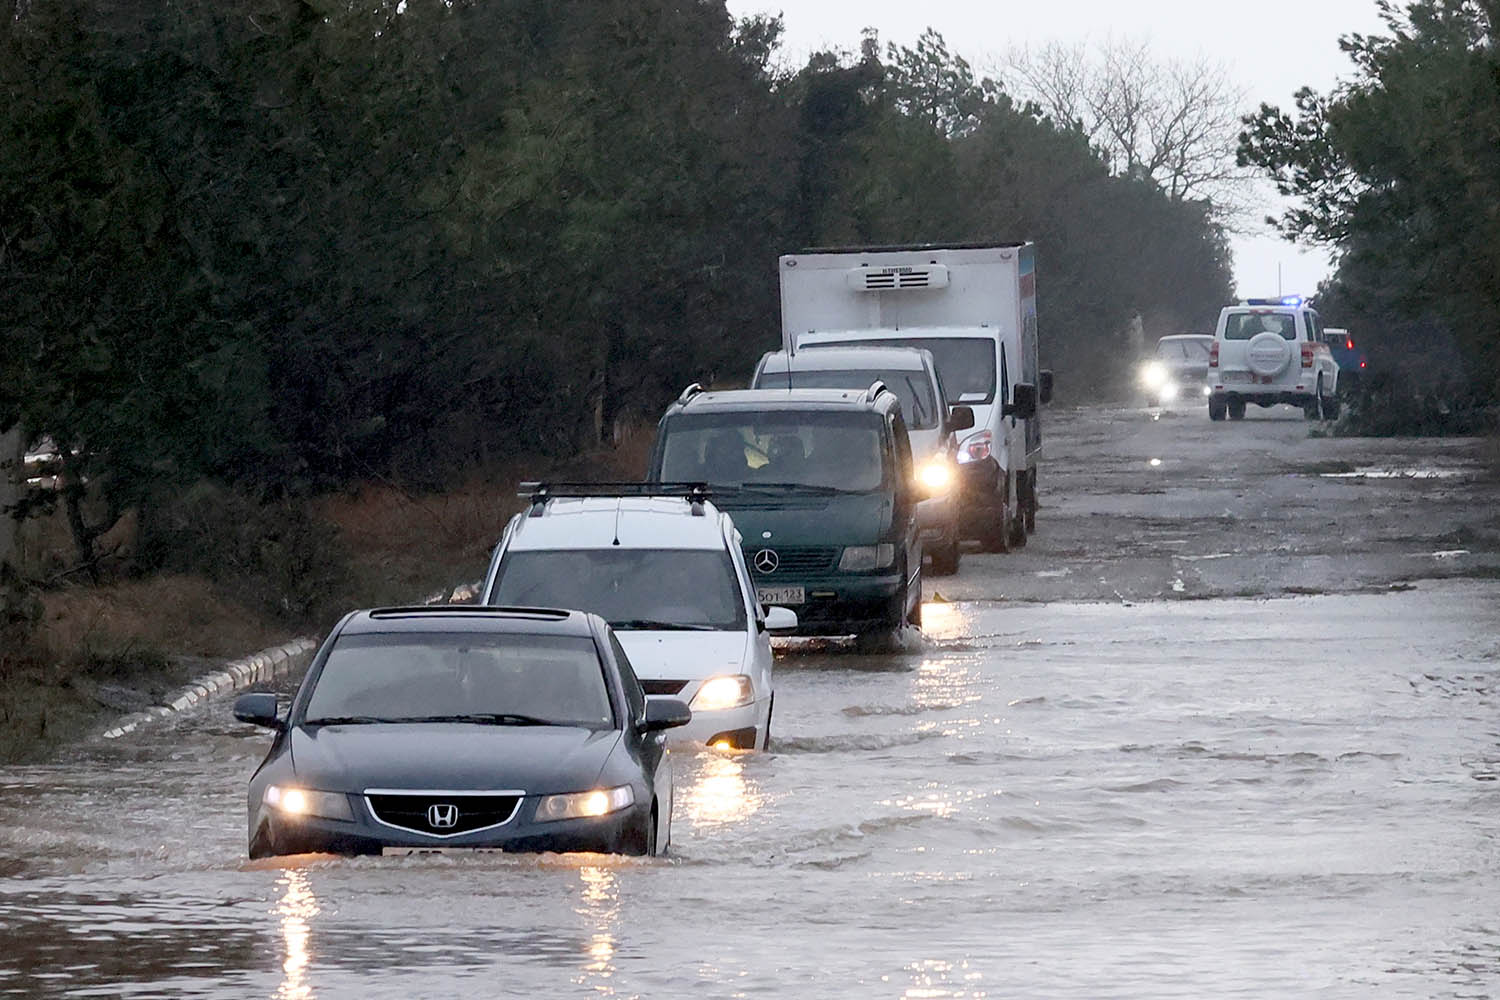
(298, 907)
(720, 794)
(600, 909)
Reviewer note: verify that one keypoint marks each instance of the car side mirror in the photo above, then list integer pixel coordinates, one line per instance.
(960, 418)
(781, 621)
(665, 713)
(1022, 402)
(258, 710)
(1044, 387)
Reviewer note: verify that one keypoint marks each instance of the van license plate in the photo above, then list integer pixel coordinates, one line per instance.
(781, 595)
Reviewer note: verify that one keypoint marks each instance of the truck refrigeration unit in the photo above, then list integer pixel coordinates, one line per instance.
(974, 307)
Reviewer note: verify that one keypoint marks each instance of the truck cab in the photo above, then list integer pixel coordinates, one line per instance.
(973, 307)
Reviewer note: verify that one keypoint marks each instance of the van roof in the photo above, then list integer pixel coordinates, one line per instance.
(627, 522)
(849, 359)
(785, 399)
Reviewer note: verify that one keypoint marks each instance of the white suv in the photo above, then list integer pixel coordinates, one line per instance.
(1269, 351)
(668, 573)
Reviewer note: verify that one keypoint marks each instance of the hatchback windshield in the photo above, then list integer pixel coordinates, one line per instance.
(1184, 350)
(629, 588)
(824, 450)
(1244, 325)
(411, 676)
(913, 388)
(965, 365)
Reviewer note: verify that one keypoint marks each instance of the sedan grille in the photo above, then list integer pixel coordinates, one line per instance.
(443, 814)
(659, 687)
(797, 558)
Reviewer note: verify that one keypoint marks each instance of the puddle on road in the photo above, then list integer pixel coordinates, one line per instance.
(1380, 472)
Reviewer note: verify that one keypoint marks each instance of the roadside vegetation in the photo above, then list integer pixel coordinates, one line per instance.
(1398, 171)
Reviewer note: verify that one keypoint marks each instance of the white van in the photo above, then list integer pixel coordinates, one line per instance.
(973, 306)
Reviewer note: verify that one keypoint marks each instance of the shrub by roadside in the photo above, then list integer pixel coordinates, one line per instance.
(1395, 404)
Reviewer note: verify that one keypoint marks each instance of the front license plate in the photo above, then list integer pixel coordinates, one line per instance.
(781, 595)
(406, 852)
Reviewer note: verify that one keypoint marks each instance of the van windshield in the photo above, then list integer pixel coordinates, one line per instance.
(657, 589)
(835, 450)
(914, 389)
(965, 365)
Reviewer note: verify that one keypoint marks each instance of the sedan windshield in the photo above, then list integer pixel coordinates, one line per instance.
(661, 589)
(498, 679)
(913, 388)
(824, 450)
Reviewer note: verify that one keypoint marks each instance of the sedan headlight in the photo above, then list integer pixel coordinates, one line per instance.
(863, 558)
(1153, 374)
(583, 805)
(936, 475)
(292, 801)
(720, 693)
(1167, 392)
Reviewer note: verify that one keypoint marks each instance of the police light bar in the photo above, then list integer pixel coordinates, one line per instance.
(1293, 301)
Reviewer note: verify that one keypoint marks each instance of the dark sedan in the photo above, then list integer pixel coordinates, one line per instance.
(461, 728)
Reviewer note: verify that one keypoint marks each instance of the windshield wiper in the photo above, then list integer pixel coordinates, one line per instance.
(485, 719)
(652, 625)
(802, 488)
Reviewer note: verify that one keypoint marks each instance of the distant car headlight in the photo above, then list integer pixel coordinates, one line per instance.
(720, 693)
(582, 805)
(1167, 392)
(936, 474)
(1207, 391)
(293, 801)
(1153, 374)
(863, 558)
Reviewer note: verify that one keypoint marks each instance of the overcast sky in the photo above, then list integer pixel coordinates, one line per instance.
(1271, 48)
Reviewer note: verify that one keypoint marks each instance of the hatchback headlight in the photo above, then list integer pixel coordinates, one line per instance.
(720, 693)
(936, 474)
(292, 801)
(583, 805)
(863, 558)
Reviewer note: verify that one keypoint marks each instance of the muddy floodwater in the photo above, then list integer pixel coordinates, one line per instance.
(1127, 789)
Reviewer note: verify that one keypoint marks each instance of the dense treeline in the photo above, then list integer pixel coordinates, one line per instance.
(1399, 171)
(291, 244)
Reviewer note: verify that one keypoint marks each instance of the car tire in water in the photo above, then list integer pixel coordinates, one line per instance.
(946, 554)
(996, 537)
(1237, 409)
(1217, 408)
(765, 737)
(641, 842)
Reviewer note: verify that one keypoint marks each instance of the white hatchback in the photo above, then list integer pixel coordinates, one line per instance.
(668, 573)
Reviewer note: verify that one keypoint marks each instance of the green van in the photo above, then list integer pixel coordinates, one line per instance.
(821, 487)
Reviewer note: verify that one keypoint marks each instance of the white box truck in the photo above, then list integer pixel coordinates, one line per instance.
(974, 307)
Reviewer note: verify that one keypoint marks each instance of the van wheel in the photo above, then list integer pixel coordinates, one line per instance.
(945, 556)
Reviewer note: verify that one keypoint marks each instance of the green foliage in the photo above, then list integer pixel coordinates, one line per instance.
(285, 245)
(1399, 170)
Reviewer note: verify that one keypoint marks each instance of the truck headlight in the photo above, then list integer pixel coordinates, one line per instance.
(583, 805)
(293, 801)
(976, 448)
(720, 693)
(863, 558)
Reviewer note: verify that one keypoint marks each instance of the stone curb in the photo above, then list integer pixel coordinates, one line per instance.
(277, 661)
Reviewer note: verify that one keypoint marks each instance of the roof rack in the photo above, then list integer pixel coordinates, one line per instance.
(538, 493)
(469, 609)
(876, 388)
(690, 392)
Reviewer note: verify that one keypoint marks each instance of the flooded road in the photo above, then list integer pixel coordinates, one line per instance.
(1049, 796)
